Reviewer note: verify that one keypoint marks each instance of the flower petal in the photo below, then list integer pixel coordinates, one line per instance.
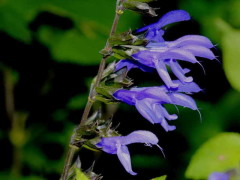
(166, 114)
(173, 17)
(168, 18)
(160, 113)
(144, 107)
(155, 35)
(178, 71)
(163, 73)
(130, 64)
(140, 136)
(146, 57)
(125, 96)
(154, 93)
(191, 40)
(108, 144)
(180, 54)
(124, 157)
(200, 51)
(166, 126)
(183, 100)
(190, 87)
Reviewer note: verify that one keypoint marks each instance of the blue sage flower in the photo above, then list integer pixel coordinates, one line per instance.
(155, 32)
(150, 101)
(117, 145)
(158, 53)
(219, 176)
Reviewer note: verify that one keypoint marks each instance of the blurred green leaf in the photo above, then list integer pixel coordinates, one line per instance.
(234, 13)
(78, 45)
(205, 14)
(71, 46)
(80, 175)
(82, 44)
(220, 153)
(231, 56)
(9, 176)
(160, 178)
(14, 24)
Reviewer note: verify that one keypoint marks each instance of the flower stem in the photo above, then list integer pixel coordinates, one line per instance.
(107, 48)
(100, 70)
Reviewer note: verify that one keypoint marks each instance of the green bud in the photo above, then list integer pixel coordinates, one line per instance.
(140, 7)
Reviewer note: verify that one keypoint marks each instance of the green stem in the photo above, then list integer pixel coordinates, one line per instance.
(100, 71)
(17, 133)
(72, 148)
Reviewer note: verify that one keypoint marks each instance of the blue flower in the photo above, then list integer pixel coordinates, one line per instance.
(150, 101)
(117, 145)
(219, 176)
(154, 31)
(158, 53)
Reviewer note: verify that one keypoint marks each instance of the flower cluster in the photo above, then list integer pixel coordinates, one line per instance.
(158, 54)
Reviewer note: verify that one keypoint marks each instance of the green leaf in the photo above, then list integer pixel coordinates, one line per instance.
(82, 44)
(231, 56)
(80, 175)
(14, 24)
(220, 153)
(72, 46)
(9, 176)
(78, 45)
(160, 178)
(234, 13)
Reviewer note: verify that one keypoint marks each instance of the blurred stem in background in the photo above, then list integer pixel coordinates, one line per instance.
(106, 54)
(17, 133)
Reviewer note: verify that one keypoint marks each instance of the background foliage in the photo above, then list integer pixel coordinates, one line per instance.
(49, 54)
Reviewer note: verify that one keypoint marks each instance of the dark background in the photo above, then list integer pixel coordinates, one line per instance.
(49, 54)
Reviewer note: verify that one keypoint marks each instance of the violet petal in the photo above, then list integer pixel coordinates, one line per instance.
(124, 157)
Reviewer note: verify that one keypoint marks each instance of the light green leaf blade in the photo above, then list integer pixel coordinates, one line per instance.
(231, 57)
(220, 153)
(160, 178)
(14, 24)
(80, 175)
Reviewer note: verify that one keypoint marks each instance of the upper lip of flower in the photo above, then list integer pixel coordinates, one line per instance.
(168, 18)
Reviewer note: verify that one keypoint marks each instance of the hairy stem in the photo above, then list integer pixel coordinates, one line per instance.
(107, 48)
(100, 71)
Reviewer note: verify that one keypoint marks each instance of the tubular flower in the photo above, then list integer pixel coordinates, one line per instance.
(150, 101)
(158, 53)
(117, 145)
